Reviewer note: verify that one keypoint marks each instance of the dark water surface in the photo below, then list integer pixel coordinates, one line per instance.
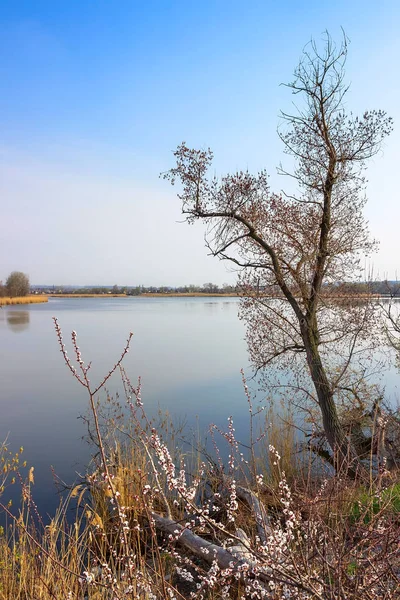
(188, 352)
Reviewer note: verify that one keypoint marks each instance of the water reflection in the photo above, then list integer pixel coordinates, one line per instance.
(17, 320)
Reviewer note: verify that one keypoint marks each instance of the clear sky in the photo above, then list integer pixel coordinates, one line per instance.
(95, 96)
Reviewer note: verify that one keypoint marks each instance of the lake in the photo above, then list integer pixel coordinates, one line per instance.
(188, 352)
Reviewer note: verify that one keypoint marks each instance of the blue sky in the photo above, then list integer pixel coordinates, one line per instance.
(95, 96)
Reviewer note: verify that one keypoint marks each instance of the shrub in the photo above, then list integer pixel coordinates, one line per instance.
(17, 284)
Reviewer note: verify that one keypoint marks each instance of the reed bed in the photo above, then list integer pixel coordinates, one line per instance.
(23, 300)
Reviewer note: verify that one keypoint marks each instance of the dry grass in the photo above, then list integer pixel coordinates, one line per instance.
(23, 300)
(53, 562)
(42, 563)
(56, 561)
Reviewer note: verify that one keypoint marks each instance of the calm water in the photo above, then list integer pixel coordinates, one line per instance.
(188, 352)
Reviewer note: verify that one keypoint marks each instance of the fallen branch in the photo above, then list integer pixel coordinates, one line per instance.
(258, 510)
(203, 549)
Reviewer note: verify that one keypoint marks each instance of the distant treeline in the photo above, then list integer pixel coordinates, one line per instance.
(207, 288)
(381, 288)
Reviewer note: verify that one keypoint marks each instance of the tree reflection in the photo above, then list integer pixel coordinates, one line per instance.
(17, 320)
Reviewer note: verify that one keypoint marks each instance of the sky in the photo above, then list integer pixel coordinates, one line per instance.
(96, 95)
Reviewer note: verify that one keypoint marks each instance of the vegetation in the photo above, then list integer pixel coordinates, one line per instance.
(17, 284)
(4, 301)
(354, 289)
(206, 289)
(152, 521)
(88, 295)
(292, 249)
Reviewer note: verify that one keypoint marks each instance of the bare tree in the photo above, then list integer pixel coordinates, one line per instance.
(17, 284)
(293, 248)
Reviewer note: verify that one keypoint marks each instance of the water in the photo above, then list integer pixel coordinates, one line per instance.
(188, 352)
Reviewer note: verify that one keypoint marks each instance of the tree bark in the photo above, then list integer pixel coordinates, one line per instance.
(345, 458)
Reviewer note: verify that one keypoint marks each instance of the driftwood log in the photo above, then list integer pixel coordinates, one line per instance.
(238, 557)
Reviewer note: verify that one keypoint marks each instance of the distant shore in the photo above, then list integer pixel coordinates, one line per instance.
(189, 295)
(88, 296)
(34, 299)
(181, 295)
(148, 295)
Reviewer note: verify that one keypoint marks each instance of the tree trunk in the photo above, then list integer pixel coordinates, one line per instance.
(345, 458)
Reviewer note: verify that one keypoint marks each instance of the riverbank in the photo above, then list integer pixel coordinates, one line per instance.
(188, 295)
(88, 296)
(7, 301)
(148, 295)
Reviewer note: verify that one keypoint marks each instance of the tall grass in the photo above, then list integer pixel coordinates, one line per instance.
(5, 301)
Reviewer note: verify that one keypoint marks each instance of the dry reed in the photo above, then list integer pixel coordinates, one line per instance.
(23, 300)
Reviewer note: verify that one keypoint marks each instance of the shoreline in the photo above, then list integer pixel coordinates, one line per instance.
(39, 298)
(147, 295)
